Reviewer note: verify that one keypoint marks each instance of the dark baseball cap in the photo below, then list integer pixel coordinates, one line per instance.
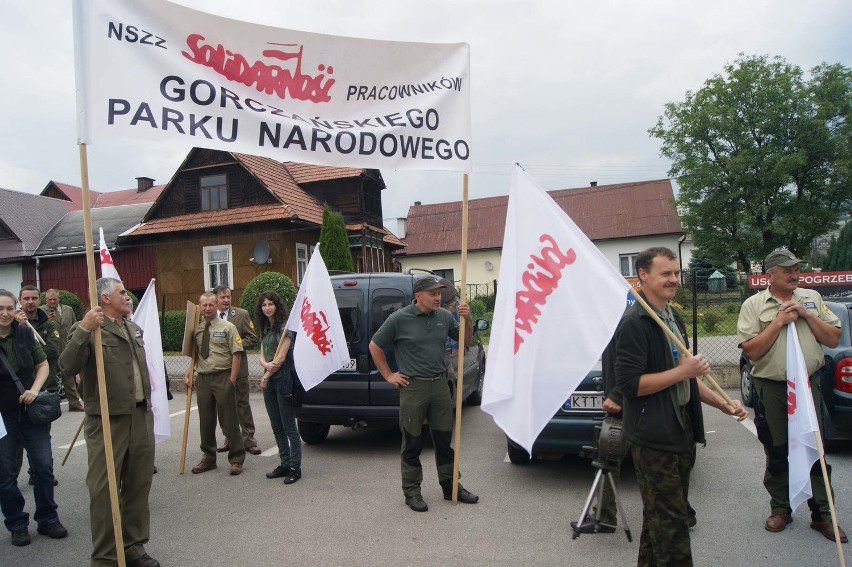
(428, 283)
(783, 258)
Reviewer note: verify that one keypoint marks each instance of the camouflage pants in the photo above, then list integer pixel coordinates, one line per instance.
(663, 479)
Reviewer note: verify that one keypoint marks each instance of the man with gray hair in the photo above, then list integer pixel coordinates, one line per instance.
(131, 423)
(762, 334)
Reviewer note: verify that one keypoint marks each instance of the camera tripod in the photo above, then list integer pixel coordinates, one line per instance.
(596, 497)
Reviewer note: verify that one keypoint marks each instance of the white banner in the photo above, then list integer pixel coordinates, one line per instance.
(802, 423)
(107, 266)
(558, 304)
(147, 317)
(320, 347)
(155, 70)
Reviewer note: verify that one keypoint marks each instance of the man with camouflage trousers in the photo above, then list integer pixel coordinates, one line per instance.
(662, 410)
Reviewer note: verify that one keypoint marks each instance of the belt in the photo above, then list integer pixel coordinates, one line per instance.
(430, 378)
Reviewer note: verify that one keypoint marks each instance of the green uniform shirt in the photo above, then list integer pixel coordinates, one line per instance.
(8, 344)
(758, 312)
(682, 387)
(419, 339)
(224, 342)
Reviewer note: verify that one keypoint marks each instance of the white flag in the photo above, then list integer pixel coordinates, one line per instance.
(158, 71)
(147, 318)
(107, 267)
(558, 304)
(802, 422)
(2, 428)
(320, 343)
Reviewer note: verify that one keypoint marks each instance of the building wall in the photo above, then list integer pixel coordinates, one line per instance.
(11, 276)
(478, 273)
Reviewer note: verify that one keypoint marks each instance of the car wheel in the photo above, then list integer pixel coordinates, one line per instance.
(517, 455)
(746, 387)
(312, 433)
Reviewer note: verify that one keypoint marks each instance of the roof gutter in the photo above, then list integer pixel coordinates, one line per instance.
(38, 272)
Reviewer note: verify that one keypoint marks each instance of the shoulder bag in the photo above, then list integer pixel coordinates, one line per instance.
(45, 408)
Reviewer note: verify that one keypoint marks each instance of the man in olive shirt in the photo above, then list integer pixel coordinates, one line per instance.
(219, 352)
(131, 423)
(762, 332)
(47, 329)
(419, 334)
(63, 316)
(242, 321)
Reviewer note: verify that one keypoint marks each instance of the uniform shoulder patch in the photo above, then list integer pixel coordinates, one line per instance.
(239, 340)
(825, 307)
(56, 334)
(251, 325)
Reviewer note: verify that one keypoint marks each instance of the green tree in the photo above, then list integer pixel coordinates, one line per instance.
(840, 251)
(334, 242)
(267, 281)
(702, 266)
(763, 156)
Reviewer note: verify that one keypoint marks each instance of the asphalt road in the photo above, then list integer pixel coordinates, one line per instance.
(348, 508)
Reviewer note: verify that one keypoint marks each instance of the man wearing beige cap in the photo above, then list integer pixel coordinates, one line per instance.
(762, 336)
(419, 334)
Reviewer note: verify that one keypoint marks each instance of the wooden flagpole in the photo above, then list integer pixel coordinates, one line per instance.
(189, 347)
(73, 441)
(830, 497)
(462, 331)
(680, 345)
(99, 361)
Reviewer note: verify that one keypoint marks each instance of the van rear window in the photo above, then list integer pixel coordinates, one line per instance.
(350, 304)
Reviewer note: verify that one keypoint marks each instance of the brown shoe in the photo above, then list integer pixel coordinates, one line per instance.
(76, 407)
(254, 450)
(777, 521)
(203, 466)
(223, 449)
(236, 468)
(827, 529)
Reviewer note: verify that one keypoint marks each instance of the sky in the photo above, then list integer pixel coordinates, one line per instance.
(568, 89)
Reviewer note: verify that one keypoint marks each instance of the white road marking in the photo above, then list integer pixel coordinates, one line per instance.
(83, 442)
(271, 452)
(77, 444)
(181, 412)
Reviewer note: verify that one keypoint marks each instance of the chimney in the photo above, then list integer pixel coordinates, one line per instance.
(143, 184)
(593, 183)
(417, 203)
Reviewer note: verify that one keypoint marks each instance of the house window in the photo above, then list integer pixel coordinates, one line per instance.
(627, 263)
(214, 192)
(301, 261)
(218, 266)
(446, 274)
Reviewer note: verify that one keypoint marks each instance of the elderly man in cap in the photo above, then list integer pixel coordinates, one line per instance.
(419, 334)
(762, 335)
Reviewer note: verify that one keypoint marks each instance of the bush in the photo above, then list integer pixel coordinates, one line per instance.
(477, 308)
(268, 281)
(488, 300)
(70, 299)
(172, 331)
(710, 320)
(732, 308)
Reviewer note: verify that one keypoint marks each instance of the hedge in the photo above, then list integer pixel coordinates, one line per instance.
(267, 281)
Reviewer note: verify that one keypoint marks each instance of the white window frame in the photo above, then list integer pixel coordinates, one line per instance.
(631, 260)
(209, 285)
(301, 264)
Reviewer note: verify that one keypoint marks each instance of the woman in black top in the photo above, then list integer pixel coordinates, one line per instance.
(23, 359)
(277, 383)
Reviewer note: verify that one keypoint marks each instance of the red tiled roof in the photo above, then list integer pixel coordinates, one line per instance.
(388, 237)
(274, 176)
(206, 219)
(623, 210)
(75, 194)
(306, 173)
(107, 199)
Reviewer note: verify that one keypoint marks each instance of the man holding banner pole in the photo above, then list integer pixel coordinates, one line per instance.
(762, 332)
(663, 418)
(419, 334)
(131, 423)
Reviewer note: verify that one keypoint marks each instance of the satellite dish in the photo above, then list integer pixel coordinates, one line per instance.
(261, 252)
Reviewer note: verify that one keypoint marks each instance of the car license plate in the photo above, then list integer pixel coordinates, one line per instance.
(350, 366)
(584, 402)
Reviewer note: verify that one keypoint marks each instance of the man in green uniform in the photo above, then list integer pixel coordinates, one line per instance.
(131, 423)
(63, 315)
(762, 332)
(28, 297)
(242, 321)
(219, 352)
(419, 334)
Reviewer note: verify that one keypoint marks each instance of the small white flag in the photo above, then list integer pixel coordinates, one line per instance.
(320, 347)
(557, 306)
(802, 425)
(107, 267)
(146, 316)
